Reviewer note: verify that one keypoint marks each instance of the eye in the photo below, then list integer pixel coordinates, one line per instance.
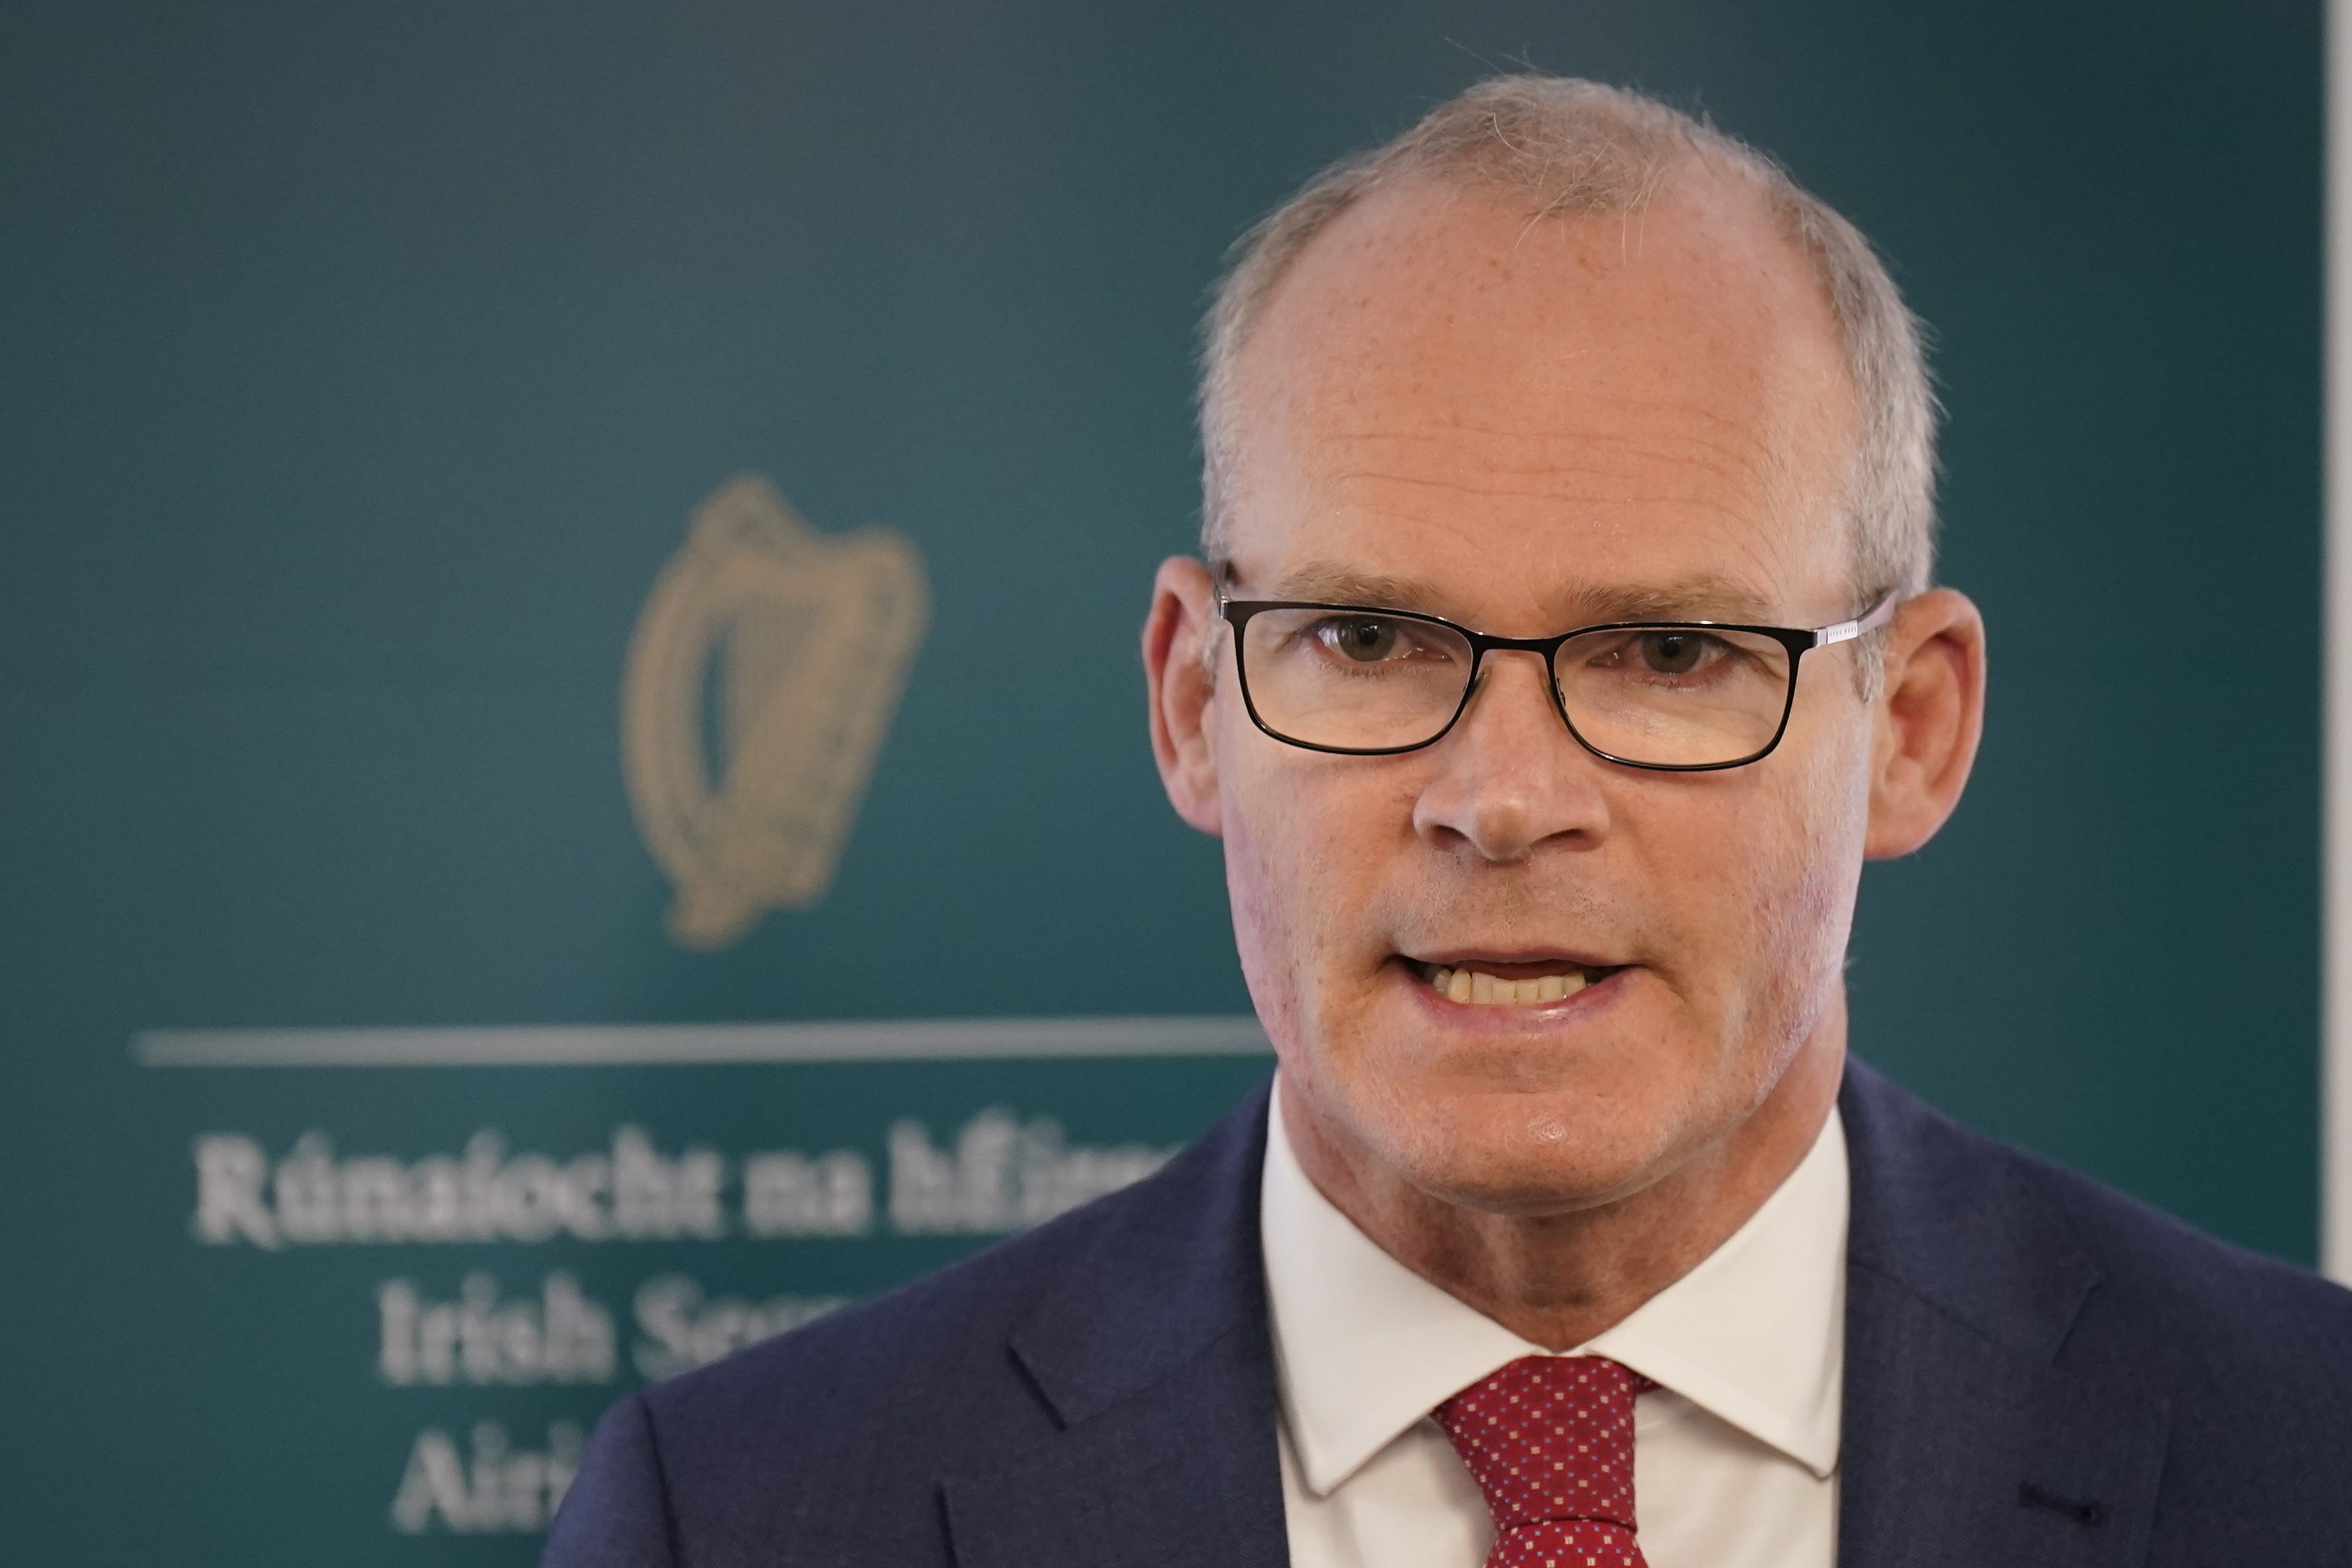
(1672, 653)
(1363, 638)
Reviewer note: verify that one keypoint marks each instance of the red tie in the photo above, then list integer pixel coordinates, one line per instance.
(1549, 1440)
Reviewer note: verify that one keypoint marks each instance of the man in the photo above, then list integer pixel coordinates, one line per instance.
(1564, 647)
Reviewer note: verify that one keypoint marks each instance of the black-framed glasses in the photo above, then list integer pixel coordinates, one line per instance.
(1676, 696)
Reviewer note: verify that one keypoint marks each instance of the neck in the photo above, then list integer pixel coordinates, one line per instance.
(1559, 1279)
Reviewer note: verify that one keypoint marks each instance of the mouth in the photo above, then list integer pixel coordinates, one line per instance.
(1483, 982)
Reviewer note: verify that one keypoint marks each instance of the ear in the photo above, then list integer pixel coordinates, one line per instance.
(1930, 715)
(1184, 688)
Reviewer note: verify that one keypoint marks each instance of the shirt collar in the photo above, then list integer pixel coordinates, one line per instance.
(1365, 1348)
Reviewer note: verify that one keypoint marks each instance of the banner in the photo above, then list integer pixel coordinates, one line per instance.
(417, 1264)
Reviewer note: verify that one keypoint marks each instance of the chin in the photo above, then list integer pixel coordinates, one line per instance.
(1526, 1153)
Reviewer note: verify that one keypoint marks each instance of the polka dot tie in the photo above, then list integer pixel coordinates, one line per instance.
(1549, 1440)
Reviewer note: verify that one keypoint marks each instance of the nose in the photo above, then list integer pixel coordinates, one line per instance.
(1509, 777)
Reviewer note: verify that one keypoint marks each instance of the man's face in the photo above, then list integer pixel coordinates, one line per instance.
(1525, 426)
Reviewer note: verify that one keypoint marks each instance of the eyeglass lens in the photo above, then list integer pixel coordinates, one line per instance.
(1667, 696)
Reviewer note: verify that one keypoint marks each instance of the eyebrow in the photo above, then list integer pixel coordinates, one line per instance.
(1704, 597)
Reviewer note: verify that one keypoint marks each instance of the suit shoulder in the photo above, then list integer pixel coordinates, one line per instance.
(2166, 1295)
(2205, 1289)
(938, 1351)
(934, 1350)
(833, 1436)
(2251, 1356)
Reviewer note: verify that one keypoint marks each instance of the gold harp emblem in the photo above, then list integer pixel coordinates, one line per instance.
(760, 682)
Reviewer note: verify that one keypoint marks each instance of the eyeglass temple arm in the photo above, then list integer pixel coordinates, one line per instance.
(1846, 631)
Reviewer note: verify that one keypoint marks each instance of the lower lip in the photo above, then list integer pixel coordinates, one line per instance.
(1502, 1014)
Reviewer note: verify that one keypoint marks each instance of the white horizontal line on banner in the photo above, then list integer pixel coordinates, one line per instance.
(669, 1045)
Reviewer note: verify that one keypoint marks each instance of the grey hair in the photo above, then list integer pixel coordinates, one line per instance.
(1580, 147)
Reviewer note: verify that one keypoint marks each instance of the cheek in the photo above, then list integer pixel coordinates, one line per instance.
(1258, 916)
(1300, 866)
(1269, 876)
(1754, 878)
(1797, 906)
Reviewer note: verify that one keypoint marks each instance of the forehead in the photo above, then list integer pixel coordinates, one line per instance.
(1522, 414)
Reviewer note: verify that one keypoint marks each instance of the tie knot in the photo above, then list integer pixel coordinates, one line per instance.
(1549, 1440)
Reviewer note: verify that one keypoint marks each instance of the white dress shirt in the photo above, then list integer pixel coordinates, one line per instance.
(1735, 1454)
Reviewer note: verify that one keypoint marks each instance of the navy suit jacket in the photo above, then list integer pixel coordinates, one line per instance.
(2038, 1372)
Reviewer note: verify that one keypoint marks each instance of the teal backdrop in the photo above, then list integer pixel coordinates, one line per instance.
(361, 366)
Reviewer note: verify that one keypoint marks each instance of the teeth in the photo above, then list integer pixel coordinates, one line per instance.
(1481, 989)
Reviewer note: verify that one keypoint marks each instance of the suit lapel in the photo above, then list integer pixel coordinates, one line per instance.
(1182, 1475)
(1965, 1441)
(1156, 1357)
